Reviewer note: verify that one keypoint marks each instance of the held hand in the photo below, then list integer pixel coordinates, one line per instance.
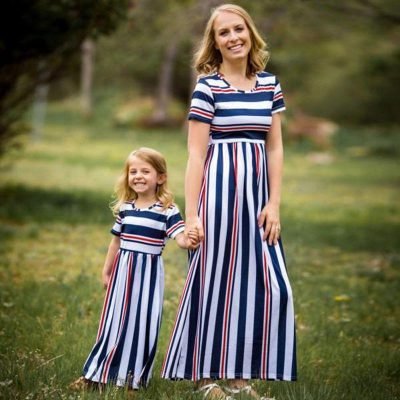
(194, 225)
(192, 239)
(269, 218)
(188, 240)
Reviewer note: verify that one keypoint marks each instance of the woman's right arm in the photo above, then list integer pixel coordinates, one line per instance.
(108, 264)
(198, 137)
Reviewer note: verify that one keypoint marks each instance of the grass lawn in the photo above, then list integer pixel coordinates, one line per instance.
(341, 232)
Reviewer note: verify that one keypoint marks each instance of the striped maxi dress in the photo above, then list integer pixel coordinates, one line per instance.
(235, 318)
(129, 324)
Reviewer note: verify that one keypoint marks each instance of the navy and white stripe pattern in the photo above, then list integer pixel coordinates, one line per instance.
(129, 325)
(232, 112)
(147, 230)
(235, 318)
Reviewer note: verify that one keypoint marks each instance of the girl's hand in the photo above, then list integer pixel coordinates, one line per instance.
(192, 239)
(188, 241)
(269, 218)
(194, 225)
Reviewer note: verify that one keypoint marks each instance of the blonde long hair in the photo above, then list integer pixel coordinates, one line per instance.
(123, 192)
(208, 59)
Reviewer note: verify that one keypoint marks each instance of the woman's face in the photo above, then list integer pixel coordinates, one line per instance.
(232, 37)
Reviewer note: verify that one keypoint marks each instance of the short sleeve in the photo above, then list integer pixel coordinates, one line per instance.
(116, 229)
(202, 104)
(175, 222)
(278, 103)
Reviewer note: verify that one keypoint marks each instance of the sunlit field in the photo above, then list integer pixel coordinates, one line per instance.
(341, 232)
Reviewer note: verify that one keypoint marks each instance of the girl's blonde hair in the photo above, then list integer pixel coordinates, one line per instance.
(208, 59)
(124, 193)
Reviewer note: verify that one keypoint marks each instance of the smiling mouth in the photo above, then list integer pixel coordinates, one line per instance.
(236, 47)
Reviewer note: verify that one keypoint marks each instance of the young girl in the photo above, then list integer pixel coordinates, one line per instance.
(133, 274)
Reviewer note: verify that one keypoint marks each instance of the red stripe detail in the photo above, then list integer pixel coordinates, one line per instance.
(228, 296)
(179, 312)
(185, 290)
(110, 356)
(257, 151)
(175, 227)
(264, 371)
(233, 128)
(204, 207)
(266, 88)
(110, 285)
(222, 90)
(143, 239)
(200, 111)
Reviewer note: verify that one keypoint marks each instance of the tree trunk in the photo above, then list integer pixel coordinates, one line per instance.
(200, 14)
(40, 102)
(160, 114)
(88, 50)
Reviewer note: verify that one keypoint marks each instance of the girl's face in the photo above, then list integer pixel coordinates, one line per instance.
(143, 178)
(232, 37)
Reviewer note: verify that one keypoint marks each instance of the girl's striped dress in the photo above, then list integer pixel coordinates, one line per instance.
(129, 324)
(235, 317)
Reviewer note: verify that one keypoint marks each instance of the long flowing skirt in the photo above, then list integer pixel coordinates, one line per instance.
(235, 318)
(129, 325)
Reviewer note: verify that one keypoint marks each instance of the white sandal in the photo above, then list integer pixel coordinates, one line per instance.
(206, 389)
(246, 389)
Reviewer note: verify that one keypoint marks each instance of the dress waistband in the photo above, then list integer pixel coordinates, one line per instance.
(144, 249)
(235, 140)
(237, 136)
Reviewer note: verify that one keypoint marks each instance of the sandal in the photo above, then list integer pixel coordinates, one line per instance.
(82, 384)
(206, 391)
(248, 390)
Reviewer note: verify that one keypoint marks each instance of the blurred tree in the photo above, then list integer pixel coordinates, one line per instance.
(349, 57)
(44, 32)
(87, 66)
(337, 58)
(189, 22)
(39, 102)
(382, 12)
(154, 55)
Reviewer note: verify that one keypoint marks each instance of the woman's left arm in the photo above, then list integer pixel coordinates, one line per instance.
(269, 216)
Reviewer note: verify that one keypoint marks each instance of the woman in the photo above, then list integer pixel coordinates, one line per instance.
(235, 320)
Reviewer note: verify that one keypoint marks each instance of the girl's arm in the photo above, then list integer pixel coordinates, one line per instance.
(108, 264)
(270, 213)
(198, 137)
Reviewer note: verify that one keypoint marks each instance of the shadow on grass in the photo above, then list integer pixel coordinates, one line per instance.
(351, 236)
(24, 204)
(48, 328)
(352, 232)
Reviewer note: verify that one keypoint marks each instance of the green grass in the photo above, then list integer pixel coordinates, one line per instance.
(341, 231)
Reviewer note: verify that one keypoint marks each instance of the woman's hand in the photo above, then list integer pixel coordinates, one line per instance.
(189, 240)
(269, 218)
(193, 226)
(109, 262)
(105, 276)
